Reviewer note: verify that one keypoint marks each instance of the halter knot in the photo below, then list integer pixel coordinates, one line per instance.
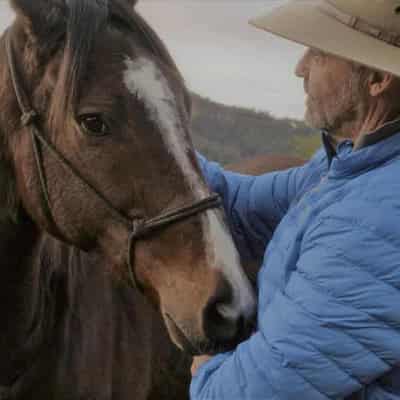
(28, 117)
(137, 227)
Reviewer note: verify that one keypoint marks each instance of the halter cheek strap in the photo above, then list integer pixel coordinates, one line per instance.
(143, 228)
(139, 227)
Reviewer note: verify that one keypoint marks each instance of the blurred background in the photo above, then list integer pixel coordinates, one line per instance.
(246, 98)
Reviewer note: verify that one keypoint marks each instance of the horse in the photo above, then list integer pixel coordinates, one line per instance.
(111, 244)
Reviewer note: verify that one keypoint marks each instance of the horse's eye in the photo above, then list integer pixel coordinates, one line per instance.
(94, 124)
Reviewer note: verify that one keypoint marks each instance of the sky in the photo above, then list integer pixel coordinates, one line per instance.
(221, 56)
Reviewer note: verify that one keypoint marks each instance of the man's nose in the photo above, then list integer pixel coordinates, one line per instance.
(302, 66)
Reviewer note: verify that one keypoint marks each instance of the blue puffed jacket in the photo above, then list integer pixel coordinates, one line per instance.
(329, 286)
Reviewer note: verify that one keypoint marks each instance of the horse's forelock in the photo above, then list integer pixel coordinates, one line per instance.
(41, 19)
(148, 39)
(86, 18)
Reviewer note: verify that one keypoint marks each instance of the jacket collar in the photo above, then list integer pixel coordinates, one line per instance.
(373, 149)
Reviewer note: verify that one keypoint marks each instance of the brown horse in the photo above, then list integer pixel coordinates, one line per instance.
(100, 187)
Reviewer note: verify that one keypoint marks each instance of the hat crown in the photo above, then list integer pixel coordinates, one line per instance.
(364, 31)
(381, 14)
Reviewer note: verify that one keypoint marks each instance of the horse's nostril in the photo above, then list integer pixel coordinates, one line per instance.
(227, 311)
(221, 317)
(219, 326)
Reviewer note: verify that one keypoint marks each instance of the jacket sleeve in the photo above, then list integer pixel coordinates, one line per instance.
(254, 205)
(332, 330)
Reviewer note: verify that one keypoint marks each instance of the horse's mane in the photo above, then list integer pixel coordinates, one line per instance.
(8, 193)
(8, 196)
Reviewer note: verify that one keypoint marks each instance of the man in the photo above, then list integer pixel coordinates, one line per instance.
(329, 287)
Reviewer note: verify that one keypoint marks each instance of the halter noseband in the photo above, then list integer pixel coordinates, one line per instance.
(140, 227)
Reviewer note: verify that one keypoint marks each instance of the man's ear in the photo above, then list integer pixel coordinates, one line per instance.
(41, 19)
(380, 82)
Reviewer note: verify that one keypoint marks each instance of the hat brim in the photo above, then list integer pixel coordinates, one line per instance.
(306, 23)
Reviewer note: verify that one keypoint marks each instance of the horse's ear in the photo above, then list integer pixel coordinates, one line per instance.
(41, 18)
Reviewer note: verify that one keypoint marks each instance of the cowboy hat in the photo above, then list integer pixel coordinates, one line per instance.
(364, 31)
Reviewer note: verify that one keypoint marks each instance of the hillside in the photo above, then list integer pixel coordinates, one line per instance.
(229, 134)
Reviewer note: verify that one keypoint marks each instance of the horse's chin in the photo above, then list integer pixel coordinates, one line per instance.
(178, 336)
(195, 346)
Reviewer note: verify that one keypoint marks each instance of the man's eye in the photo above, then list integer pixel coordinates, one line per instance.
(94, 124)
(317, 54)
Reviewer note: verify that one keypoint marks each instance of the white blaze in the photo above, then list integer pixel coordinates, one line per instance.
(146, 81)
(224, 256)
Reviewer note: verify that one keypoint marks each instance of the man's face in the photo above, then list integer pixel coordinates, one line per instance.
(334, 90)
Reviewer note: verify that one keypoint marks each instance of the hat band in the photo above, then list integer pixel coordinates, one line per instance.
(360, 25)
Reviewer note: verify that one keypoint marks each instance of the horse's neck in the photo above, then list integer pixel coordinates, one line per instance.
(21, 300)
(17, 246)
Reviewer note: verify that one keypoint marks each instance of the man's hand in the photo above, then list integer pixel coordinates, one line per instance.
(197, 362)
